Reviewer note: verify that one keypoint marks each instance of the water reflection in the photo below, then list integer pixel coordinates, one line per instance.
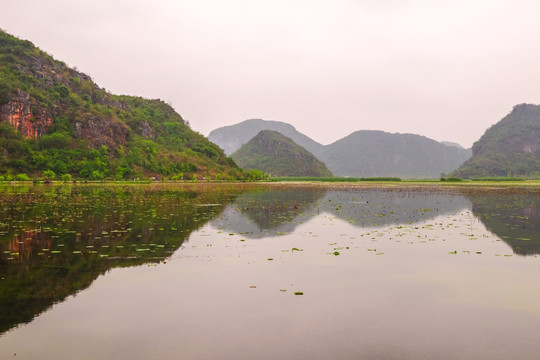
(55, 241)
(267, 213)
(264, 213)
(514, 218)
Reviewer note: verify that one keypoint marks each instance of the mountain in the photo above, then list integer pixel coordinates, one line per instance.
(278, 155)
(56, 118)
(376, 153)
(511, 147)
(363, 153)
(451, 143)
(231, 138)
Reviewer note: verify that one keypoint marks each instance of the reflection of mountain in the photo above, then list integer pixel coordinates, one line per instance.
(55, 241)
(264, 213)
(513, 218)
(380, 207)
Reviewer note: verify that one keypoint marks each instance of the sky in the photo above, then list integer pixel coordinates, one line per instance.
(447, 70)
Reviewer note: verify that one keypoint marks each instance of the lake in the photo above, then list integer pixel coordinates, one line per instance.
(269, 271)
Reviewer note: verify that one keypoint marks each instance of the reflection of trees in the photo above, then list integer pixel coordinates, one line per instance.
(512, 217)
(55, 241)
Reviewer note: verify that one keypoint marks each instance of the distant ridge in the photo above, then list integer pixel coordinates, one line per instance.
(368, 153)
(364, 153)
(278, 155)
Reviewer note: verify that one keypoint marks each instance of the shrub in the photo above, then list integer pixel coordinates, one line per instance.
(22, 177)
(65, 177)
(56, 140)
(97, 175)
(49, 175)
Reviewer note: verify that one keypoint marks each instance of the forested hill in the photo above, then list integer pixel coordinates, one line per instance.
(55, 118)
(511, 147)
(278, 155)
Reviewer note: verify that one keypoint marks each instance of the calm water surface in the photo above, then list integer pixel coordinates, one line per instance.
(266, 272)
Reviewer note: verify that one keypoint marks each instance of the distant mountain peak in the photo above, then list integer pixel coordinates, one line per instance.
(231, 138)
(451, 143)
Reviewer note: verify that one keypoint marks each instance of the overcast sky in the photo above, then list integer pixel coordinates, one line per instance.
(443, 69)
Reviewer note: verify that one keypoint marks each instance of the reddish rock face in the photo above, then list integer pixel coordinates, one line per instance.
(32, 120)
(26, 115)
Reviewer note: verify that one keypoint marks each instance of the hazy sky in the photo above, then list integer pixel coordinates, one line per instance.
(443, 69)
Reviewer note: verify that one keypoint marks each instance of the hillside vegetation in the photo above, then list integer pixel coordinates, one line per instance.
(278, 155)
(56, 119)
(511, 147)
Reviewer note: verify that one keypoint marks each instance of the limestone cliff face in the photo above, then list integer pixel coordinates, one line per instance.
(525, 144)
(26, 115)
(56, 83)
(101, 131)
(32, 120)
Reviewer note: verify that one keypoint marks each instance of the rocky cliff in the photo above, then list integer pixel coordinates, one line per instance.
(26, 115)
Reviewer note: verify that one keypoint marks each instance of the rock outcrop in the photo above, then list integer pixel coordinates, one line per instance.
(101, 131)
(26, 115)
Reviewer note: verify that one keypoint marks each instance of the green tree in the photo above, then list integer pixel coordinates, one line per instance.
(49, 175)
